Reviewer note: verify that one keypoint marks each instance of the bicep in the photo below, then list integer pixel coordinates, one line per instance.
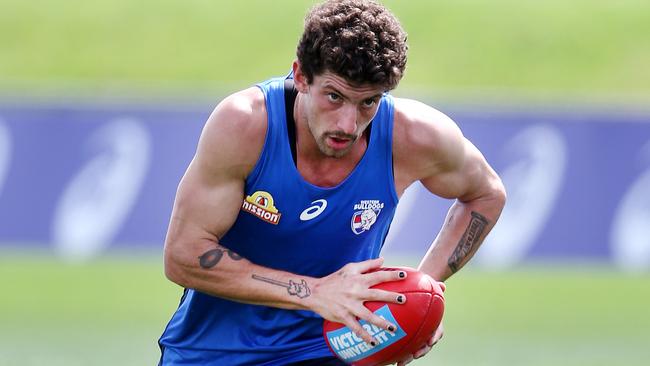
(211, 192)
(467, 176)
(204, 209)
(206, 205)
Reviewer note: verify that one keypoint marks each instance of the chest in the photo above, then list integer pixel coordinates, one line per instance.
(307, 229)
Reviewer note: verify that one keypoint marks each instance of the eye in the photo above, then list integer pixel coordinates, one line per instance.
(333, 97)
(368, 103)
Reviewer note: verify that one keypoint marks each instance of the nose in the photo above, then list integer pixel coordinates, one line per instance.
(347, 121)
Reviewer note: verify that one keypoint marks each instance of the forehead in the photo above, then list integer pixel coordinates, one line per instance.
(329, 80)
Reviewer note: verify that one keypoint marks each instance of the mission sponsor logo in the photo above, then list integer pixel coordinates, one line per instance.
(349, 347)
(261, 204)
(365, 215)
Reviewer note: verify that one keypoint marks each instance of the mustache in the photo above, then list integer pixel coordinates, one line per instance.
(341, 135)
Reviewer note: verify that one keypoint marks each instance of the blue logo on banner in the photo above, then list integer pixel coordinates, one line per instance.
(349, 347)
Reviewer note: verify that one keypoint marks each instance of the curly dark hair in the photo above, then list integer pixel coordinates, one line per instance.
(359, 40)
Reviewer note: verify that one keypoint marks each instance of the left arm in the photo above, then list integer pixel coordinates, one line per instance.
(429, 147)
(480, 197)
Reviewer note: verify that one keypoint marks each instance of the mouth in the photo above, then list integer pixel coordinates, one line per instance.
(338, 143)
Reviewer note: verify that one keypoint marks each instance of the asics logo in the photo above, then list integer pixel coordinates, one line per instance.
(313, 211)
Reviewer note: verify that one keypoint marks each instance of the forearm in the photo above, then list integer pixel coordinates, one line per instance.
(466, 226)
(213, 269)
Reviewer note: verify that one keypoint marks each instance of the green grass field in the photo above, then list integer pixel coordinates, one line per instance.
(111, 312)
(559, 48)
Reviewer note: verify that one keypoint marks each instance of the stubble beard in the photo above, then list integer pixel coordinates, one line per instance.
(321, 142)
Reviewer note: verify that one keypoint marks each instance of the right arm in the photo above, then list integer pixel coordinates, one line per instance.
(207, 204)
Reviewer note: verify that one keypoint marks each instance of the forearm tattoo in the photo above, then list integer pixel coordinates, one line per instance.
(470, 239)
(210, 258)
(293, 288)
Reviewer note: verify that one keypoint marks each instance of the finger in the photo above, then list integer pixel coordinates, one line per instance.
(442, 286)
(405, 361)
(366, 266)
(421, 352)
(434, 340)
(354, 325)
(385, 296)
(373, 318)
(437, 335)
(384, 276)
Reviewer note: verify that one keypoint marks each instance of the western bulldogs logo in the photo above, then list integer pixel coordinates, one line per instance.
(365, 215)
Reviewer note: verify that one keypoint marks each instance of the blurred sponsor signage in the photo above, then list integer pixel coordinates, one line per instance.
(84, 179)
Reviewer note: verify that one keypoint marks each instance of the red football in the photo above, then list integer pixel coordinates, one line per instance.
(416, 320)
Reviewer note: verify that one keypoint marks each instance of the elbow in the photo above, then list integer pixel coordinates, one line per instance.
(172, 273)
(174, 270)
(498, 193)
(501, 194)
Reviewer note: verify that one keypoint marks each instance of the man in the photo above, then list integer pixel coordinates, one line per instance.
(284, 209)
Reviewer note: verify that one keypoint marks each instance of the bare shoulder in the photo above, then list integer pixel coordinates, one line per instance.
(425, 141)
(234, 134)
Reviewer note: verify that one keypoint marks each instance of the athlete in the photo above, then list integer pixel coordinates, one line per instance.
(284, 209)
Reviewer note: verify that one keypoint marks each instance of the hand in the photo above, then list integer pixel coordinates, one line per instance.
(437, 335)
(339, 297)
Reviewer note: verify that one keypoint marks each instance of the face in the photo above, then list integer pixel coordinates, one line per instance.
(337, 112)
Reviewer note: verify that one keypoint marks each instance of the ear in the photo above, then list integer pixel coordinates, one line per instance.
(299, 78)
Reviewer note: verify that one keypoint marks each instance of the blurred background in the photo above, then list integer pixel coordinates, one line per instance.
(101, 105)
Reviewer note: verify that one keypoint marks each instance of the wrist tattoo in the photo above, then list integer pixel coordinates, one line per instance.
(301, 289)
(471, 238)
(210, 258)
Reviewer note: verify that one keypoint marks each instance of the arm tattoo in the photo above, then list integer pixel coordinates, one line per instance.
(471, 238)
(293, 288)
(210, 258)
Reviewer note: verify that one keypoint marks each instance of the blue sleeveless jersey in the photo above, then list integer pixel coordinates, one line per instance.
(288, 224)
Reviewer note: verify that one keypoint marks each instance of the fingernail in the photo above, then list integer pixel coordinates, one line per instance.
(391, 328)
(402, 274)
(400, 299)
